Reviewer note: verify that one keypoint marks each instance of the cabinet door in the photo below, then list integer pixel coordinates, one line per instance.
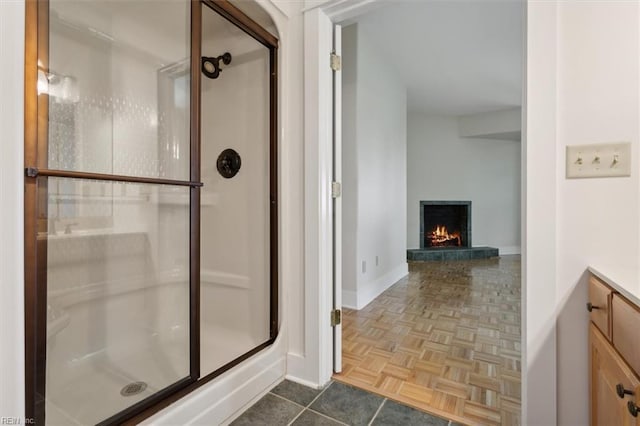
(626, 318)
(633, 408)
(608, 370)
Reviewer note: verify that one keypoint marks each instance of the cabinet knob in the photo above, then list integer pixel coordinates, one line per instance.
(633, 408)
(590, 307)
(621, 391)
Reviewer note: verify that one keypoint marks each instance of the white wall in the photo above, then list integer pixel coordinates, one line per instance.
(539, 220)
(374, 171)
(505, 124)
(291, 166)
(583, 87)
(441, 165)
(11, 222)
(597, 218)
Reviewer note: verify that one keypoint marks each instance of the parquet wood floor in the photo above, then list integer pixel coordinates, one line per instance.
(445, 339)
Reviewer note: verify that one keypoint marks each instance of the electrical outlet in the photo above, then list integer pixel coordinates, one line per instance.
(611, 159)
(377, 263)
(364, 266)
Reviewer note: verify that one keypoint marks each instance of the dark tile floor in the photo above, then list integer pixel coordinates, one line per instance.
(337, 404)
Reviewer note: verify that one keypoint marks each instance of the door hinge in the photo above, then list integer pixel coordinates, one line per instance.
(31, 172)
(336, 189)
(336, 317)
(336, 62)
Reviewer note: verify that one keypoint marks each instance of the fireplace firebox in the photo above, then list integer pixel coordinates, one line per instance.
(445, 224)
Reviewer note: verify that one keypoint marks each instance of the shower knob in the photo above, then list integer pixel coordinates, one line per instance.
(228, 163)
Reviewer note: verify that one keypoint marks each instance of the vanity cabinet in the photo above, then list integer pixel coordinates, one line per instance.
(615, 385)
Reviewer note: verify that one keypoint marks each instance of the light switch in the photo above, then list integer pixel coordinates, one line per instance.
(611, 159)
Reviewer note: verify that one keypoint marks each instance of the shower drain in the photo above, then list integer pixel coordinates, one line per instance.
(133, 388)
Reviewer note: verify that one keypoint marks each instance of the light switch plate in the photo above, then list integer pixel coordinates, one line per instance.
(612, 159)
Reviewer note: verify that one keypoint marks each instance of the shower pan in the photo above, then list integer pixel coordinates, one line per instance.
(150, 203)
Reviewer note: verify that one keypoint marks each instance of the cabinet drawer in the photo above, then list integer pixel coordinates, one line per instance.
(600, 300)
(626, 331)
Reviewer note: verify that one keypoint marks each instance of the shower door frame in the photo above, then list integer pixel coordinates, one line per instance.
(35, 196)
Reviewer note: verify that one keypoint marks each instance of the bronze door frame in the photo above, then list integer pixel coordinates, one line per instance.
(37, 172)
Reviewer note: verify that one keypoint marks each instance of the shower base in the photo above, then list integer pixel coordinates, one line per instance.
(220, 346)
(94, 393)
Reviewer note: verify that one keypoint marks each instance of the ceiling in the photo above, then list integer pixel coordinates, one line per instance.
(456, 57)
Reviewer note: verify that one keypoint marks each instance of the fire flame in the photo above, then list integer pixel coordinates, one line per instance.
(440, 236)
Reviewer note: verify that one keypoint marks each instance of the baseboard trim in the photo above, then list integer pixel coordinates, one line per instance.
(375, 288)
(298, 371)
(510, 250)
(303, 382)
(349, 299)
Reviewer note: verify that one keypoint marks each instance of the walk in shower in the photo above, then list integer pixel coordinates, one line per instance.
(150, 202)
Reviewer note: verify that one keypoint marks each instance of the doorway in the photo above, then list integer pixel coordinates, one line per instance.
(364, 266)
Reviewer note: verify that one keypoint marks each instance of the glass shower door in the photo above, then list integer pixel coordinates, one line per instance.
(134, 269)
(113, 206)
(236, 263)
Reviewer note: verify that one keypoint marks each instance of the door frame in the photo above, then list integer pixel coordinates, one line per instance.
(319, 21)
(319, 18)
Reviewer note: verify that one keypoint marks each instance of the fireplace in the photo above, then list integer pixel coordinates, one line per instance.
(445, 224)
